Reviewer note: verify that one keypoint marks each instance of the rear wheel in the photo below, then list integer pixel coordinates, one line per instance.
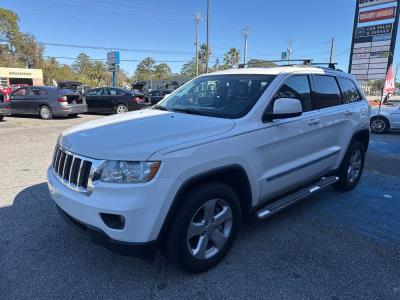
(379, 125)
(352, 167)
(204, 228)
(45, 112)
(121, 109)
(73, 115)
(1, 118)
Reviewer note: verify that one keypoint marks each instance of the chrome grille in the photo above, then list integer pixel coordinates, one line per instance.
(73, 170)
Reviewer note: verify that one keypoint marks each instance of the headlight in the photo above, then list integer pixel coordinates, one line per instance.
(115, 171)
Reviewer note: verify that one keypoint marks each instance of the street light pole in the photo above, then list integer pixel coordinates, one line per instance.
(197, 19)
(245, 34)
(289, 51)
(208, 34)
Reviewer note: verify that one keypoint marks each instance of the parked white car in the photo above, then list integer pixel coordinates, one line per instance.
(385, 118)
(183, 174)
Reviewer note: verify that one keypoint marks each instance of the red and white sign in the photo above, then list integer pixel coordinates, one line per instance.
(377, 14)
(389, 86)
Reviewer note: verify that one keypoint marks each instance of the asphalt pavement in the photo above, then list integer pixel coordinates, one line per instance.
(331, 246)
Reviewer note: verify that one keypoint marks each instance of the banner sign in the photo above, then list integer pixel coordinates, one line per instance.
(374, 38)
(366, 3)
(113, 58)
(377, 14)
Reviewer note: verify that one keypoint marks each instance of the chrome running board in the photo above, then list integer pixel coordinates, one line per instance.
(294, 197)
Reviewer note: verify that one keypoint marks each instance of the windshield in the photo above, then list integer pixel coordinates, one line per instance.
(223, 96)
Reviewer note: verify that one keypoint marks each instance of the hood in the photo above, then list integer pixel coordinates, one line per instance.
(137, 135)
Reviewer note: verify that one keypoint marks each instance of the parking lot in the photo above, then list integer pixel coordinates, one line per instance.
(331, 246)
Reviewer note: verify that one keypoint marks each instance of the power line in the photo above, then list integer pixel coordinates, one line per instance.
(123, 10)
(126, 60)
(114, 48)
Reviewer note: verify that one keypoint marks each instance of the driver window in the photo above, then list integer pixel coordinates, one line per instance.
(297, 87)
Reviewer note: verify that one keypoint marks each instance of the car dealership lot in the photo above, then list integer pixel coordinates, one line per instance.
(331, 246)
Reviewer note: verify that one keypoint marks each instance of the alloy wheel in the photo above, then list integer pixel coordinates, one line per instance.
(121, 109)
(354, 168)
(209, 229)
(378, 125)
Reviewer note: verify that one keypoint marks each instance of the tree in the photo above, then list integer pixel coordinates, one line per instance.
(260, 63)
(162, 71)
(202, 56)
(232, 57)
(145, 69)
(98, 72)
(82, 64)
(189, 69)
(17, 49)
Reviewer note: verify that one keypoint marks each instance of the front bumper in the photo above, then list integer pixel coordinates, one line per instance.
(71, 109)
(143, 206)
(99, 237)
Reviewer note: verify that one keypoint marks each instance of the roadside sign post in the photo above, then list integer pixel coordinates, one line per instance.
(113, 61)
(374, 38)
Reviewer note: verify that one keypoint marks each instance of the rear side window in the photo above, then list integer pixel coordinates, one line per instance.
(21, 92)
(327, 92)
(114, 92)
(38, 92)
(96, 92)
(349, 90)
(297, 87)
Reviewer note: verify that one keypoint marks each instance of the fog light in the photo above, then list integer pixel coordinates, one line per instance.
(113, 221)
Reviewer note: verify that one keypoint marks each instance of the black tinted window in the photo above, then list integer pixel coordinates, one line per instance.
(297, 87)
(327, 92)
(349, 90)
(96, 92)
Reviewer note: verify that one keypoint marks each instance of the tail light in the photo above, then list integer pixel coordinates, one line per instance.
(62, 100)
(138, 100)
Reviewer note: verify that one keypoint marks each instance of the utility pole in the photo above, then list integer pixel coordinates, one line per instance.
(208, 34)
(332, 50)
(245, 34)
(289, 51)
(197, 19)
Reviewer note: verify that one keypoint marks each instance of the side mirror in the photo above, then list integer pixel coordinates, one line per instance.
(284, 108)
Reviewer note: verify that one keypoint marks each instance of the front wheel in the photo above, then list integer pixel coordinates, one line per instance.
(204, 228)
(352, 167)
(45, 113)
(379, 125)
(121, 108)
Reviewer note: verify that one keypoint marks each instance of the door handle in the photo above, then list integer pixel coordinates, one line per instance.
(314, 121)
(348, 113)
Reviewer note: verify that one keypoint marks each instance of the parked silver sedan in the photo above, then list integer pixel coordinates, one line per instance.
(385, 118)
(46, 102)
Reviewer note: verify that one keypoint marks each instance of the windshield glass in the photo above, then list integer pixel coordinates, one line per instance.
(223, 96)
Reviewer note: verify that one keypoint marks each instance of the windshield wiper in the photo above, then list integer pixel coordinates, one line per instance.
(191, 111)
(159, 107)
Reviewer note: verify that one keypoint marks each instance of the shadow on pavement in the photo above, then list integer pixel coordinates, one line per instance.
(330, 245)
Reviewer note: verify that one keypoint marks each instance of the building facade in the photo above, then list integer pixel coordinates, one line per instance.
(16, 76)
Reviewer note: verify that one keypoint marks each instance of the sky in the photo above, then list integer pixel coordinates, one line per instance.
(165, 30)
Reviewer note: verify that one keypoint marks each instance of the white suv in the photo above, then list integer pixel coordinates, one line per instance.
(183, 174)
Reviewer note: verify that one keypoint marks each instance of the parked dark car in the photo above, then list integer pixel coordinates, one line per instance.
(113, 100)
(4, 107)
(157, 95)
(46, 101)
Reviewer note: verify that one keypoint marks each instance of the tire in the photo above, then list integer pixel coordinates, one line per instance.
(73, 116)
(1, 118)
(351, 168)
(379, 125)
(186, 252)
(45, 112)
(121, 109)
